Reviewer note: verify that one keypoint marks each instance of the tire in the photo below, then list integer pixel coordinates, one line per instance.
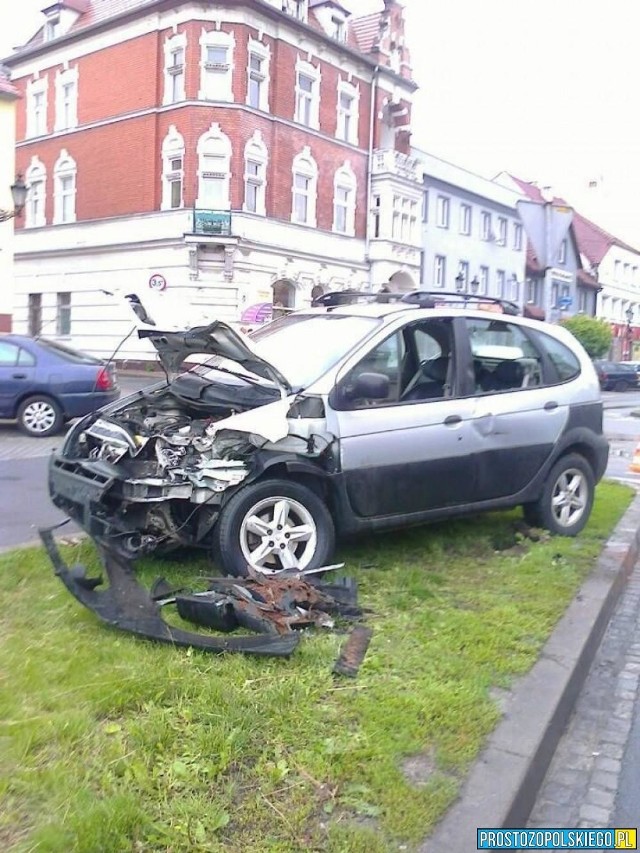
(269, 504)
(40, 416)
(565, 504)
(621, 385)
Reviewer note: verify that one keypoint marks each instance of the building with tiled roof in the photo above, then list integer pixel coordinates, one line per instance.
(226, 150)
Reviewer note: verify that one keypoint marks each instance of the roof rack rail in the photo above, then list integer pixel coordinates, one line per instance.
(419, 298)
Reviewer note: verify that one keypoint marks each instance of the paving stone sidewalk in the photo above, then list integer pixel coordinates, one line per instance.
(580, 787)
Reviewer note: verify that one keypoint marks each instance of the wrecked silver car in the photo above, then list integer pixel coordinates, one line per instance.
(358, 417)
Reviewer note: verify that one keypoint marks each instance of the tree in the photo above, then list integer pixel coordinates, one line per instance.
(594, 335)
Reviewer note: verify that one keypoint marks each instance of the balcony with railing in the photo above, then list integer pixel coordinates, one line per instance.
(388, 161)
(212, 223)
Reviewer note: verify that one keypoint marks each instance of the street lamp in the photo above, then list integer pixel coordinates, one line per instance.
(629, 315)
(19, 196)
(475, 284)
(460, 282)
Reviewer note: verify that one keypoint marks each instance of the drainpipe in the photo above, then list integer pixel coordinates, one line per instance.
(372, 112)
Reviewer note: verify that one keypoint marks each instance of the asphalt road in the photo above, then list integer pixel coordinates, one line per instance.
(25, 504)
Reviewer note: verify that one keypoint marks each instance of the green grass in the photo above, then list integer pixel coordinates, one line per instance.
(109, 743)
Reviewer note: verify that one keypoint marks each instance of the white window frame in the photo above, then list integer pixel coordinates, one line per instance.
(443, 211)
(485, 225)
(66, 113)
(36, 180)
(483, 287)
(63, 314)
(305, 166)
(308, 70)
(65, 169)
(174, 71)
(172, 149)
(463, 267)
(501, 284)
(348, 132)
(345, 181)
(214, 143)
(37, 122)
(517, 237)
(216, 80)
(439, 271)
(296, 8)
(262, 51)
(465, 219)
(501, 238)
(255, 151)
(562, 252)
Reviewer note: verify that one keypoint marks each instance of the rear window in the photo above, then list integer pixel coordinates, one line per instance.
(68, 353)
(564, 360)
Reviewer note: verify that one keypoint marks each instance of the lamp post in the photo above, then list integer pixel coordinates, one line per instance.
(629, 315)
(19, 196)
(475, 284)
(460, 282)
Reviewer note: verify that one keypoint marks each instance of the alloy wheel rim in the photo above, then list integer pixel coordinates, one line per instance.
(278, 533)
(39, 417)
(569, 498)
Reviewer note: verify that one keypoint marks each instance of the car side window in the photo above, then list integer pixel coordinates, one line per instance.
(25, 358)
(8, 354)
(565, 362)
(504, 359)
(375, 380)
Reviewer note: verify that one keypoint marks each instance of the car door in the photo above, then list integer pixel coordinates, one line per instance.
(411, 451)
(517, 418)
(17, 371)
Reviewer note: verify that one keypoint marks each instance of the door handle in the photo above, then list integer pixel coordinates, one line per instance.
(19, 376)
(452, 420)
(550, 406)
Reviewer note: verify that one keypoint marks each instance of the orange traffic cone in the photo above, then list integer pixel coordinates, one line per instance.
(635, 462)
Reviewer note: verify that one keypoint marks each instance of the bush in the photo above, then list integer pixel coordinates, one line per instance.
(594, 335)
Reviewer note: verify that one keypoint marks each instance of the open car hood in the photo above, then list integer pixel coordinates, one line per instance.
(217, 338)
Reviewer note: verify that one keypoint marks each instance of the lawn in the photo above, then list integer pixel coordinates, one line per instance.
(110, 743)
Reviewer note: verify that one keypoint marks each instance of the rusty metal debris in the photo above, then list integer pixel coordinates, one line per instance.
(276, 606)
(353, 651)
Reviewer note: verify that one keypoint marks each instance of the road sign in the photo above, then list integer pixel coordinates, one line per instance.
(157, 282)
(546, 226)
(565, 302)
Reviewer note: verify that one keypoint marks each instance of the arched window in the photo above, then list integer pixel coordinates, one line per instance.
(284, 298)
(304, 188)
(64, 189)
(172, 170)
(214, 169)
(344, 200)
(36, 180)
(255, 174)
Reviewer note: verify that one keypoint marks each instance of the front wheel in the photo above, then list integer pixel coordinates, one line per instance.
(565, 504)
(274, 525)
(40, 417)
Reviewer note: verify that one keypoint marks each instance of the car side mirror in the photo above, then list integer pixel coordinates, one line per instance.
(368, 386)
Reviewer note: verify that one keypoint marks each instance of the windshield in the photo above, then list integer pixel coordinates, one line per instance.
(304, 346)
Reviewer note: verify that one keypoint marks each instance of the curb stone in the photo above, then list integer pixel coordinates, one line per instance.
(502, 786)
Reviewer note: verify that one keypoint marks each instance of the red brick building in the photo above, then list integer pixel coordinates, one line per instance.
(235, 153)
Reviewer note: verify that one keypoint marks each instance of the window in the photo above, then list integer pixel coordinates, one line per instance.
(35, 178)
(64, 189)
(255, 174)
(582, 300)
(463, 270)
(344, 200)
(307, 95)
(338, 29)
(8, 354)
(214, 170)
(501, 284)
(347, 126)
(502, 231)
(484, 280)
(439, 271)
(385, 360)
(375, 215)
(35, 314)
(504, 358)
(258, 76)
(175, 49)
(442, 212)
(216, 65)
(172, 170)
(517, 237)
(296, 8)
(52, 27)
(565, 362)
(304, 188)
(425, 206)
(66, 99)
(616, 270)
(37, 107)
(63, 314)
(485, 225)
(562, 253)
(465, 219)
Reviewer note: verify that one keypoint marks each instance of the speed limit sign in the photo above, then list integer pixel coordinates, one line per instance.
(157, 282)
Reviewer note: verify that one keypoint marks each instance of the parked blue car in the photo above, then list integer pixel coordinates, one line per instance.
(44, 383)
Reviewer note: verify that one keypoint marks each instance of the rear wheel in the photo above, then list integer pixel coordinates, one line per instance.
(621, 385)
(565, 504)
(274, 525)
(40, 416)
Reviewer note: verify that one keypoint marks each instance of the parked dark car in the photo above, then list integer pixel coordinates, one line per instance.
(44, 383)
(616, 375)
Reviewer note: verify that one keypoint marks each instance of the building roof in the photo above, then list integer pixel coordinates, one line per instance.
(366, 30)
(7, 89)
(594, 241)
(533, 191)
